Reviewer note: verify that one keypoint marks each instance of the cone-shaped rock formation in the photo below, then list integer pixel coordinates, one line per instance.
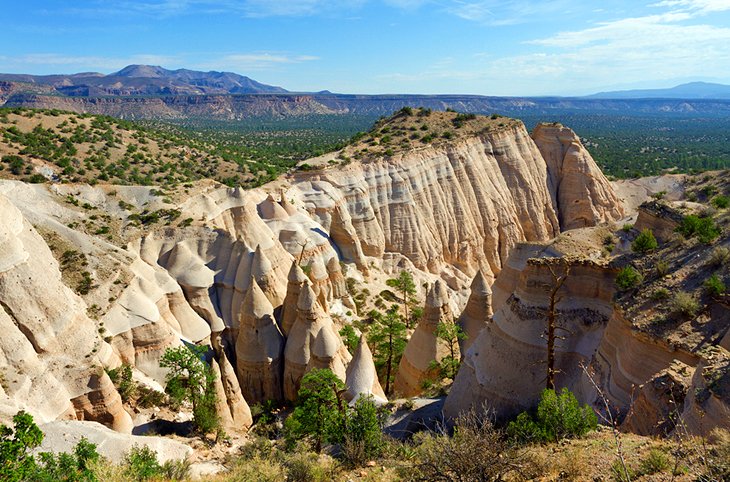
(313, 342)
(259, 348)
(424, 346)
(478, 311)
(362, 378)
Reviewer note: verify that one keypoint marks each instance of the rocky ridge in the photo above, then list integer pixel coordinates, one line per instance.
(262, 276)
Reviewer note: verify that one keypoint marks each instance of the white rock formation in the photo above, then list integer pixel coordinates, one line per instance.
(361, 376)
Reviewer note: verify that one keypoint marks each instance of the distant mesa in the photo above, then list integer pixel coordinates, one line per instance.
(692, 90)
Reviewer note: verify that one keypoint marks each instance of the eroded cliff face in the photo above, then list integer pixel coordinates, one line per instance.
(269, 261)
(506, 365)
(463, 205)
(603, 353)
(581, 193)
(50, 351)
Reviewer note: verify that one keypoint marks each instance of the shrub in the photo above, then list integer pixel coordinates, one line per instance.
(719, 256)
(477, 451)
(626, 228)
(363, 432)
(656, 461)
(703, 228)
(18, 464)
(685, 304)
(317, 415)
(662, 268)
(628, 278)
(720, 202)
(644, 242)
(121, 377)
(141, 463)
(660, 294)
(714, 286)
(558, 416)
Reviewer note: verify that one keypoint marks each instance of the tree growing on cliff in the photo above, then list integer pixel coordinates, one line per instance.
(450, 334)
(191, 379)
(407, 288)
(387, 337)
(551, 332)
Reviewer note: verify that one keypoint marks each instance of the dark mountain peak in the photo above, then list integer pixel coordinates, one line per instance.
(142, 71)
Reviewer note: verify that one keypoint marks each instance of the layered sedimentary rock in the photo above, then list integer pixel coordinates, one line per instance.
(424, 347)
(661, 218)
(313, 342)
(478, 311)
(49, 346)
(449, 208)
(232, 408)
(296, 280)
(259, 349)
(582, 195)
(361, 376)
(660, 402)
(506, 363)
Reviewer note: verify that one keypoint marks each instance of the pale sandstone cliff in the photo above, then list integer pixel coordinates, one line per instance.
(581, 193)
(449, 210)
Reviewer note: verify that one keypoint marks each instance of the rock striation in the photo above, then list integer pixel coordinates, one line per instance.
(582, 195)
(313, 342)
(259, 349)
(505, 364)
(477, 313)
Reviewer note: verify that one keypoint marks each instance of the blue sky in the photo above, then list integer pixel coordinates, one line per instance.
(516, 47)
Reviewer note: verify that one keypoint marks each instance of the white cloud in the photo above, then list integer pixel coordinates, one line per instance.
(663, 46)
(697, 6)
(246, 62)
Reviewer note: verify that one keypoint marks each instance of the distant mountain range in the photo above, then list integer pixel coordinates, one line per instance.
(145, 80)
(152, 92)
(692, 90)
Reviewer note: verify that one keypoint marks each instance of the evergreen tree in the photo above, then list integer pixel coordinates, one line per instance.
(387, 339)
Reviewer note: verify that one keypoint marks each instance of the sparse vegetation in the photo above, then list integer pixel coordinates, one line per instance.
(685, 304)
(645, 242)
(628, 278)
(701, 227)
(558, 416)
(715, 286)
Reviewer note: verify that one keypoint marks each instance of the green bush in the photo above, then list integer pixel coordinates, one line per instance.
(685, 304)
(121, 377)
(720, 202)
(719, 256)
(628, 278)
(18, 464)
(644, 242)
(558, 416)
(662, 268)
(141, 463)
(703, 228)
(363, 432)
(656, 461)
(660, 294)
(714, 286)
(318, 415)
